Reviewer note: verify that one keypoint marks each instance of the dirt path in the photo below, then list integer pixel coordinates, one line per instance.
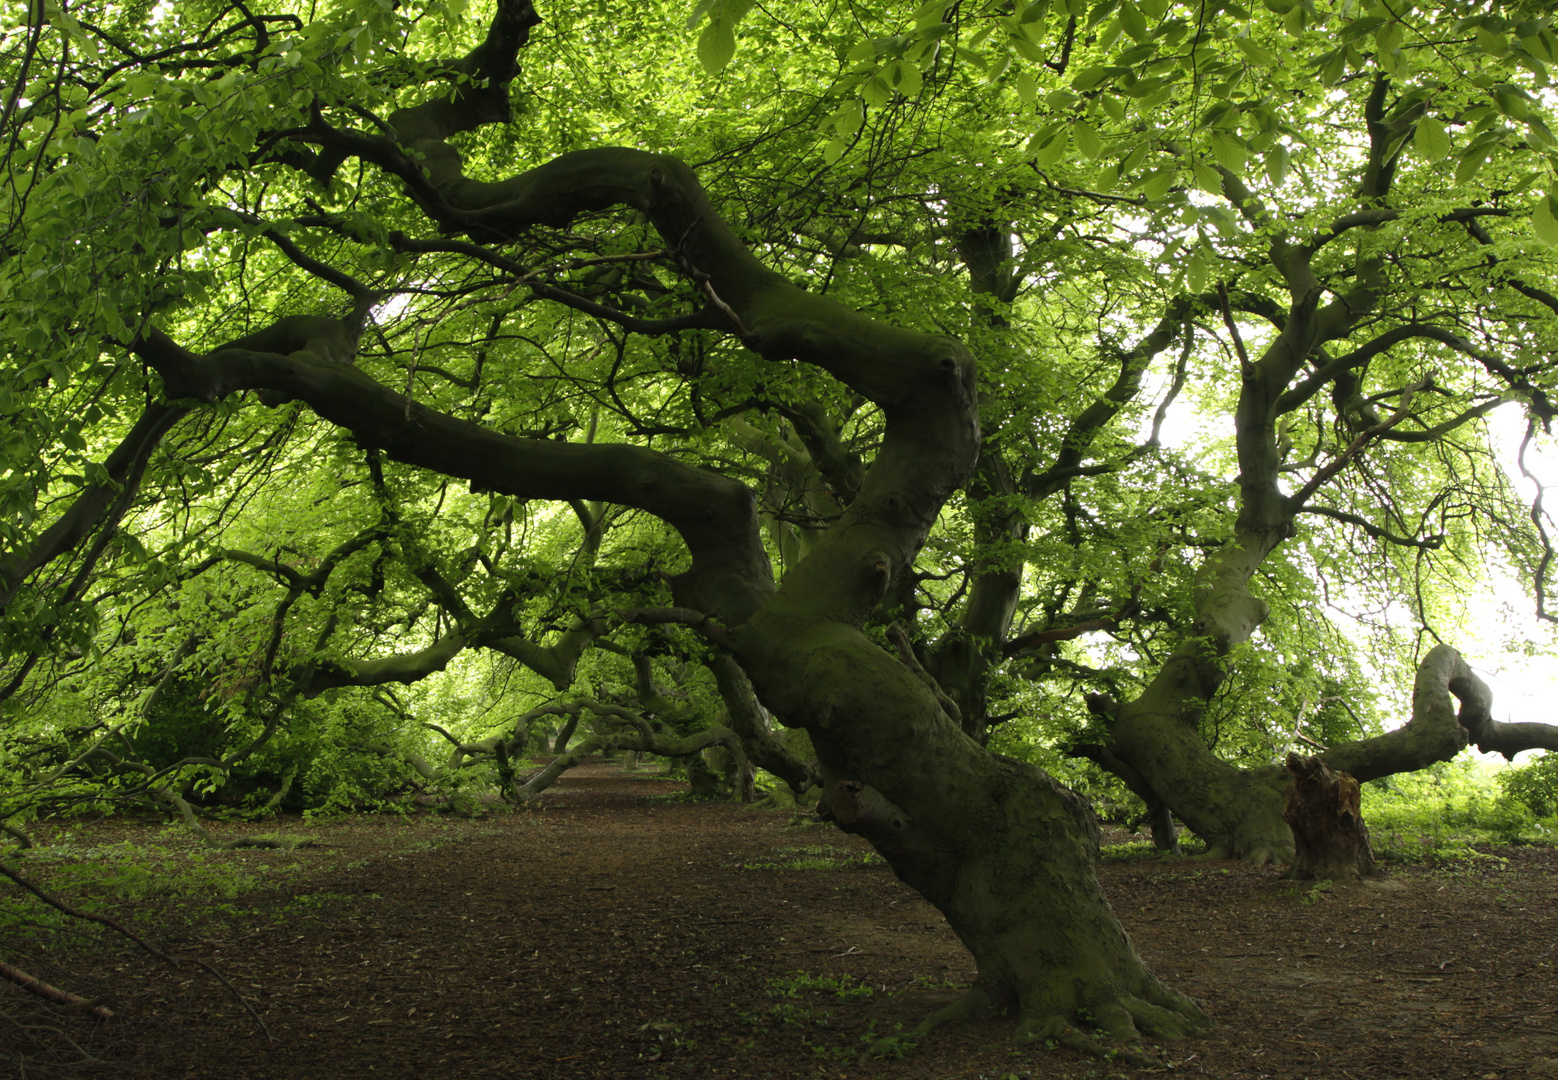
(618, 933)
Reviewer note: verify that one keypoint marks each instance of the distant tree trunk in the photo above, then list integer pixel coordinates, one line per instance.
(564, 733)
(1330, 840)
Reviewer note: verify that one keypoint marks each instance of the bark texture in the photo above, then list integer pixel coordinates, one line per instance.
(1323, 808)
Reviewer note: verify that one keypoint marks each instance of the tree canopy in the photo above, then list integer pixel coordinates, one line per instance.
(393, 389)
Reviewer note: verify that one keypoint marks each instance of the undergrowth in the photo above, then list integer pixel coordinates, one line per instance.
(814, 857)
(97, 878)
(1449, 809)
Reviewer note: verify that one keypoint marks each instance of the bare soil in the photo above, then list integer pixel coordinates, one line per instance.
(619, 932)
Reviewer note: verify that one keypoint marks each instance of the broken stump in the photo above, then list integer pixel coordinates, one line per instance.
(1330, 840)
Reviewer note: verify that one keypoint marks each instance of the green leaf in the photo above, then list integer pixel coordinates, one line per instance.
(1359, 27)
(1332, 67)
(1230, 151)
(876, 92)
(1470, 164)
(1492, 43)
(1089, 143)
(1134, 22)
(1195, 273)
(1088, 78)
(716, 46)
(833, 151)
(1027, 88)
(1254, 53)
(1048, 150)
(929, 14)
(906, 77)
(1025, 48)
(848, 119)
(1277, 164)
(1208, 179)
(1388, 38)
(1431, 139)
(1543, 45)
(1156, 186)
(1544, 219)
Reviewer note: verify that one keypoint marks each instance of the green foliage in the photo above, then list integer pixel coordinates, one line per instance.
(98, 878)
(801, 997)
(1132, 157)
(886, 1047)
(1534, 785)
(1449, 809)
(842, 987)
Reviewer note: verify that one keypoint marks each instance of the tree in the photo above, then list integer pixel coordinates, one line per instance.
(276, 281)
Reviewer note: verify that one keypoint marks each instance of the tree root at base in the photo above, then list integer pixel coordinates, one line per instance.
(974, 1005)
(1119, 1025)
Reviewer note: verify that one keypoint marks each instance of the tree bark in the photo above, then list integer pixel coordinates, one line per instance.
(1324, 810)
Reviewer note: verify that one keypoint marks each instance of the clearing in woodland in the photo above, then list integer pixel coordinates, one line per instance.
(619, 931)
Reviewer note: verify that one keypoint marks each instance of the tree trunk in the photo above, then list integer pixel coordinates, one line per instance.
(1330, 840)
(1003, 851)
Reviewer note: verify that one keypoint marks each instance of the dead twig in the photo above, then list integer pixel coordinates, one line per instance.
(35, 985)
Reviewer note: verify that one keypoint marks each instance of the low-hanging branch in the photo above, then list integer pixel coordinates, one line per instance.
(1436, 731)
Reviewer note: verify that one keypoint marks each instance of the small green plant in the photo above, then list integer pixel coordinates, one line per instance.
(843, 987)
(894, 1047)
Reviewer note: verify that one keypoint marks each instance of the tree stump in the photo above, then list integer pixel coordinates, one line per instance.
(1330, 840)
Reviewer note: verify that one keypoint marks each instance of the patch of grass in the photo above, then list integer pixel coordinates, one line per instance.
(1309, 892)
(842, 987)
(133, 873)
(814, 857)
(801, 996)
(98, 878)
(1145, 849)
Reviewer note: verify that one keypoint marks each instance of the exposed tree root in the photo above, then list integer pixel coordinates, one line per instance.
(1119, 1023)
(974, 1005)
(1258, 855)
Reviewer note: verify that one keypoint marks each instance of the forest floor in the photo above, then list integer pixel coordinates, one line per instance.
(618, 932)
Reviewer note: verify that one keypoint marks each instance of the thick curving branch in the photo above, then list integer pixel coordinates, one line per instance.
(1437, 731)
(101, 503)
(716, 516)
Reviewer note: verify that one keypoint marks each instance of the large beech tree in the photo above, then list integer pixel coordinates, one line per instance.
(275, 277)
